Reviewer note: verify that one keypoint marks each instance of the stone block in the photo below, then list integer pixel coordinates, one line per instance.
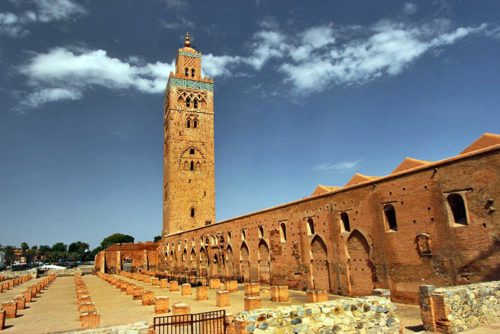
(10, 309)
(27, 296)
(173, 286)
(148, 298)
(280, 294)
(137, 293)
(232, 286)
(162, 304)
(90, 319)
(2, 319)
(252, 303)
(86, 307)
(180, 308)
(316, 296)
(130, 289)
(202, 293)
(155, 281)
(252, 289)
(214, 283)
(186, 289)
(223, 299)
(163, 283)
(21, 302)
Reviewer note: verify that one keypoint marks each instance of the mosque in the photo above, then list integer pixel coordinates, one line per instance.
(426, 222)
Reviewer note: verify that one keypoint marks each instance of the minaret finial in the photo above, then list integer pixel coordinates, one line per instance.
(187, 42)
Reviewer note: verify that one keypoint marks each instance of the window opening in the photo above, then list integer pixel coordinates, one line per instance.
(310, 226)
(457, 206)
(345, 221)
(390, 217)
(282, 232)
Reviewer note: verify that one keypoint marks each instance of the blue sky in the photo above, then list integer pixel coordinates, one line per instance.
(306, 93)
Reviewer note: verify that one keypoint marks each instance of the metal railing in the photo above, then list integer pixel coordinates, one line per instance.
(198, 323)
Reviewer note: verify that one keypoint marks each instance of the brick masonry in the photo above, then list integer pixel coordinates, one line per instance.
(395, 232)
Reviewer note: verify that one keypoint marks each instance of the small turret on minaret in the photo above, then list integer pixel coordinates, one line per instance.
(187, 42)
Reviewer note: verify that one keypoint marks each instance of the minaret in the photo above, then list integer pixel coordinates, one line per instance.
(188, 156)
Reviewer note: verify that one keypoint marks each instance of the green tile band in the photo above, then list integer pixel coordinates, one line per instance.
(189, 54)
(178, 82)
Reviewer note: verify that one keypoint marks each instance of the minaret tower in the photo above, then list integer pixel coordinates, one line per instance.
(188, 156)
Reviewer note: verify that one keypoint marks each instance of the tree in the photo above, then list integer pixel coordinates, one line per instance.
(78, 247)
(78, 251)
(59, 247)
(157, 238)
(24, 247)
(115, 239)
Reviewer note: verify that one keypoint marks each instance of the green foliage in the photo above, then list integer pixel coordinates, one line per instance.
(24, 247)
(157, 238)
(59, 247)
(115, 239)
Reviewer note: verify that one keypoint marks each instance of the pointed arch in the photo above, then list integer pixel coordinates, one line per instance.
(264, 258)
(361, 273)
(245, 262)
(320, 267)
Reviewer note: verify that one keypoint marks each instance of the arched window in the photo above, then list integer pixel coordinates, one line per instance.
(390, 217)
(457, 207)
(344, 217)
(191, 166)
(195, 103)
(188, 102)
(261, 231)
(186, 72)
(192, 212)
(243, 235)
(191, 151)
(186, 165)
(310, 226)
(282, 232)
(193, 71)
(188, 123)
(195, 123)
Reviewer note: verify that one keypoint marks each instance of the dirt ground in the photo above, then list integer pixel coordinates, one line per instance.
(55, 310)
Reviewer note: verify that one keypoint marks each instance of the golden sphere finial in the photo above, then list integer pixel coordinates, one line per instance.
(187, 41)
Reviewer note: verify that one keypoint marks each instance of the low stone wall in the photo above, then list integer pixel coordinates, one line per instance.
(135, 328)
(458, 308)
(11, 274)
(65, 272)
(351, 315)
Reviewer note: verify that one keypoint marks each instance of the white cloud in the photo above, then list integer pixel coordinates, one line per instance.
(310, 61)
(410, 8)
(50, 95)
(79, 70)
(16, 25)
(56, 10)
(339, 166)
(266, 45)
(218, 66)
(384, 49)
